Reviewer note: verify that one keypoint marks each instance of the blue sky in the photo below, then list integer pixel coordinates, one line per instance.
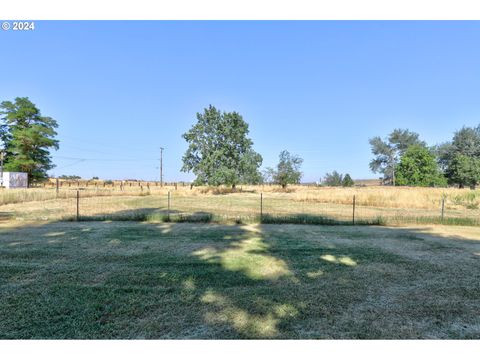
(120, 90)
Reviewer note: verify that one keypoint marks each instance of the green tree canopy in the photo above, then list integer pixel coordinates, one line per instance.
(418, 167)
(464, 170)
(453, 156)
(287, 170)
(466, 141)
(219, 151)
(27, 138)
(388, 152)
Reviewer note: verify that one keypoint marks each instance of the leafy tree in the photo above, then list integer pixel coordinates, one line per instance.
(219, 151)
(287, 170)
(444, 153)
(347, 181)
(388, 152)
(333, 179)
(28, 137)
(250, 163)
(465, 143)
(464, 170)
(418, 167)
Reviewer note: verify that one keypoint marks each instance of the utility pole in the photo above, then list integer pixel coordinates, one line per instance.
(161, 166)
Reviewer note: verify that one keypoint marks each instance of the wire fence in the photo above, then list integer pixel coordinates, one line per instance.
(143, 204)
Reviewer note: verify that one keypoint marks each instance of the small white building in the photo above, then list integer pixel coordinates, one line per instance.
(14, 180)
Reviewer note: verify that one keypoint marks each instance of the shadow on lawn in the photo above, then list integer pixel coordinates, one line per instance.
(173, 280)
(155, 214)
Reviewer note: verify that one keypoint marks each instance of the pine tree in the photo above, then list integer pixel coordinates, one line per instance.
(27, 137)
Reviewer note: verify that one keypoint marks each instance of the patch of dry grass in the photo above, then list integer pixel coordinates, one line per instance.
(385, 205)
(371, 196)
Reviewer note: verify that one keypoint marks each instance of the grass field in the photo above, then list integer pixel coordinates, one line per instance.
(298, 204)
(183, 280)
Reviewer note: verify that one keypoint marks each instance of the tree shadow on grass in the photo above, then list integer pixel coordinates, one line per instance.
(176, 280)
(6, 216)
(153, 214)
(175, 215)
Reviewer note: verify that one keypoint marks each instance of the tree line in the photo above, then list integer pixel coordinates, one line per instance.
(403, 159)
(221, 153)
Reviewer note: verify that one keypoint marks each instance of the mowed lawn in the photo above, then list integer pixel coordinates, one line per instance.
(178, 280)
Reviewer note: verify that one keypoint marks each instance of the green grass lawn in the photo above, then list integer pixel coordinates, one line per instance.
(180, 280)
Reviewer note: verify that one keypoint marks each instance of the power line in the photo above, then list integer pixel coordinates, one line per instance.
(68, 146)
(74, 163)
(99, 159)
(102, 145)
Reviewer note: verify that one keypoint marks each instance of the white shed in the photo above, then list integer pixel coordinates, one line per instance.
(15, 180)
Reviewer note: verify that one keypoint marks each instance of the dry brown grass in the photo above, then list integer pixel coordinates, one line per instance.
(377, 196)
(393, 205)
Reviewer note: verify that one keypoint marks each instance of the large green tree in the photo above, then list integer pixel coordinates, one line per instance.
(219, 150)
(287, 170)
(418, 167)
(388, 152)
(464, 170)
(27, 138)
(458, 157)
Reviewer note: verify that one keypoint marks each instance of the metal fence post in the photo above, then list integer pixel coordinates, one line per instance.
(261, 207)
(353, 215)
(168, 206)
(78, 205)
(443, 208)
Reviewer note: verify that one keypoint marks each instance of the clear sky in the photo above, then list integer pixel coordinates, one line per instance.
(120, 90)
